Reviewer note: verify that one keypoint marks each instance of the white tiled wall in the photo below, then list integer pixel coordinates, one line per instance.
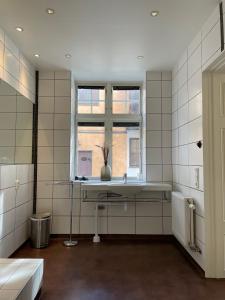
(187, 129)
(15, 68)
(158, 126)
(16, 206)
(15, 126)
(54, 146)
(147, 214)
(187, 118)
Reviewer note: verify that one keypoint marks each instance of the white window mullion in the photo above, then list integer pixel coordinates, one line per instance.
(108, 139)
(108, 121)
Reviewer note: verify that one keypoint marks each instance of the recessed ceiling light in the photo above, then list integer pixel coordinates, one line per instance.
(140, 57)
(20, 29)
(50, 11)
(154, 13)
(68, 55)
(37, 55)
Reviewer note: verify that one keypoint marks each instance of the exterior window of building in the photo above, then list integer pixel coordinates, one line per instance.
(134, 152)
(91, 99)
(89, 158)
(122, 134)
(126, 100)
(108, 115)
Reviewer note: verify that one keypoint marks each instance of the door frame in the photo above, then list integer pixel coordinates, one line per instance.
(214, 224)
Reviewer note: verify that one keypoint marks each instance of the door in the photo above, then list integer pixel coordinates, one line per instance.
(85, 163)
(218, 176)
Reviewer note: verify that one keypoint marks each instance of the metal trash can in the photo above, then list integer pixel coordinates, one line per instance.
(40, 230)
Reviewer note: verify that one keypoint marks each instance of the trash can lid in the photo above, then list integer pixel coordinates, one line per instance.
(41, 216)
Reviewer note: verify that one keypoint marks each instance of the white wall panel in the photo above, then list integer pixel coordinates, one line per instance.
(187, 119)
(16, 206)
(194, 62)
(211, 44)
(15, 68)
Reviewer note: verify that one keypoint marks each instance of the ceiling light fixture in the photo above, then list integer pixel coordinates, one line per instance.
(20, 29)
(50, 11)
(154, 13)
(67, 55)
(37, 55)
(140, 57)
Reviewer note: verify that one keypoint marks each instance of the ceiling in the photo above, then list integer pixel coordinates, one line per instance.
(104, 37)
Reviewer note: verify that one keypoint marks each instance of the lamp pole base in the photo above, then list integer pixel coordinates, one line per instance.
(70, 243)
(96, 239)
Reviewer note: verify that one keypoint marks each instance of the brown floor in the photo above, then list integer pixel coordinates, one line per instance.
(121, 270)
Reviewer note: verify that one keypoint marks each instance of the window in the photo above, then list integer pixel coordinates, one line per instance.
(134, 152)
(126, 100)
(91, 99)
(123, 133)
(108, 115)
(89, 160)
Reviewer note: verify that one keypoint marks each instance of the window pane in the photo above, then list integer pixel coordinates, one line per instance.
(134, 152)
(125, 151)
(126, 101)
(90, 159)
(91, 100)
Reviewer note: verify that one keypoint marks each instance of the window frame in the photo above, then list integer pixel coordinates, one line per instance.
(108, 118)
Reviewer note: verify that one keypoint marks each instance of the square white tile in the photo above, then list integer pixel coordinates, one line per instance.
(62, 88)
(46, 88)
(154, 173)
(61, 137)
(45, 138)
(153, 75)
(62, 121)
(45, 121)
(154, 122)
(46, 104)
(45, 155)
(149, 225)
(154, 89)
(121, 225)
(154, 156)
(167, 89)
(154, 139)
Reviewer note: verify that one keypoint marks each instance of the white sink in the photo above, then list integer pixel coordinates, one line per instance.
(124, 188)
(114, 187)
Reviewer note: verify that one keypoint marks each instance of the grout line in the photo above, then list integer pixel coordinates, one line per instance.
(162, 160)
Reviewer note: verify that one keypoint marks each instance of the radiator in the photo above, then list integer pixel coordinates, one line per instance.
(183, 220)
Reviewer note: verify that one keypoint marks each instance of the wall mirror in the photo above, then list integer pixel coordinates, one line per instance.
(16, 115)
